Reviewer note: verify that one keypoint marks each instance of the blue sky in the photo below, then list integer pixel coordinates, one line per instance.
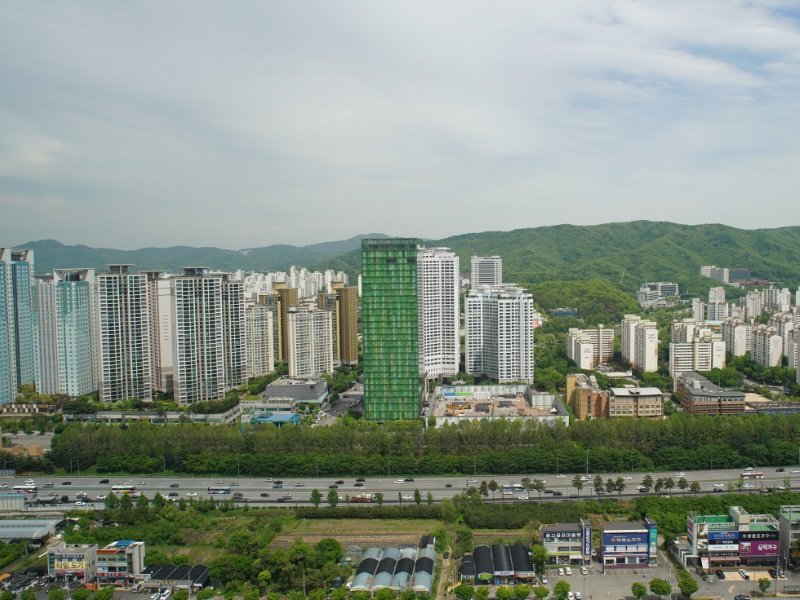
(245, 124)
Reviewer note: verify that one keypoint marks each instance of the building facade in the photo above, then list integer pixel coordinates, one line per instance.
(258, 340)
(309, 337)
(581, 342)
(125, 329)
(737, 335)
(568, 543)
(76, 331)
(18, 343)
(767, 346)
(699, 396)
(486, 270)
(631, 401)
(390, 329)
(585, 397)
(498, 339)
(120, 562)
(438, 289)
(629, 544)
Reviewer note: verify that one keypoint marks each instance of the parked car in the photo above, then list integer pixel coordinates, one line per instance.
(165, 594)
(543, 578)
(772, 573)
(744, 573)
(567, 571)
(577, 595)
(741, 597)
(155, 596)
(560, 571)
(584, 570)
(720, 574)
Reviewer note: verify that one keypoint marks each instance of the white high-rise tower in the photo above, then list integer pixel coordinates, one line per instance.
(437, 295)
(486, 270)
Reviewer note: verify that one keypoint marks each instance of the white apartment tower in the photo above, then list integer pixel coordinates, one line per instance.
(639, 343)
(767, 346)
(737, 335)
(258, 336)
(309, 333)
(601, 340)
(499, 333)
(784, 323)
(125, 335)
(206, 316)
(703, 353)
(44, 299)
(438, 312)
(486, 270)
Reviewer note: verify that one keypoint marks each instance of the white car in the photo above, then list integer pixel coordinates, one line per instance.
(577, 596)
(627, 477)
(584, 570)
(30, 481)
(544, 579)
(781, 487)
(795, 471)
(747, 485)
(523, 497)
(101, 497)
(508, 492)
(155, 596)
(3, 485)
(681, 474)
(408, 497)
(560, 572)
(191, 494)
(399, 481)
(719, 485)
(561, 476)
(165, 594)
(80, 503)
(570, 595)
(472, 481)
(747, 469)
(567, 571)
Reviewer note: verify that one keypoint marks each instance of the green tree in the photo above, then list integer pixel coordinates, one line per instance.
(417, 497)
(764, 584)
(384, 594)
(316, 497)
(28, 594)
(106, 593)
(647, 481)
(597, 483)
(503, 592)
(683, 484)
(694, 487)
(577, 483)
(379, 498)
(333, 498)
(481, 592)
(541, 592)
(619, 486)
(539, 557)
(81, 594)
(638, 590)
(561, 590)
(522, 591)
(9, 595)
(464, 591)
(56, 594)
(205, 594)
(184, 594)
(429, 498)
(660, 587)
(493, 488)
(687, 584)
(112, 501)
(484, 490)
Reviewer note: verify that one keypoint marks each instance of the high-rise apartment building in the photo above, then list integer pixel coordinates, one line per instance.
(309, 336)
(348, 324)
(639, 343)
(76, 331)
(737, 335)
(390, 329)
(288, 297)
(498, 340)
(258, 339)
(125, 335)
(784, 323)
(330, 302)
(767, 346)
(207, 337)
(701, 352)
(590, 347)
(18, 351)
(44, 299)
(438, 288)
(486, 270)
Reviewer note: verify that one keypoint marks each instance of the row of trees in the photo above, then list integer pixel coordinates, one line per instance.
(500, 446)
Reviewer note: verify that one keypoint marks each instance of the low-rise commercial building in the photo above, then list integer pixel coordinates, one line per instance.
(629, 544)
(456, 404)
(73, 562)
(631, 401)
(789, 525)
(585, 397)
(311, 391)
(699, 396)
(568, 543)
(738, 538)
(120, 562)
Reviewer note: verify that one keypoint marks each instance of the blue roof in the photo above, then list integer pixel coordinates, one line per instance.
(276, 418)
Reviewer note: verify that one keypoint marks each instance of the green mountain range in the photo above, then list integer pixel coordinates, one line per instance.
(620, 254)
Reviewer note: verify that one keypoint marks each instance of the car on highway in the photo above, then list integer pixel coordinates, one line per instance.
(264, 494)
(508, 492)
(399, 481)
(101, 497)
(408, 497)
(795, 471)
(173, 494)
(359, 484)
(360, 480)
(409, 479)
(80, 503)
(523, 497)
(720, 574)
(472, 481)
(780, 470)
(49, 484)
(174, 485)
(627, 477)
(557, 493)
(561, 476)
(448, 485)
(234, 483)
(333, 486)
(66, 483)
(104, 481)
(748, 468)
(748, 485)
(339, 482)
(719, 485)
(299, 484)
(268, 480)
(191, 494)
(3, 485)
(681, 474)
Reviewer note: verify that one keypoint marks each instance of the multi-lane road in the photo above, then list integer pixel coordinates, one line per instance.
(262, 490)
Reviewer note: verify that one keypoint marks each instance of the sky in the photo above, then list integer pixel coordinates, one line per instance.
(248, 123)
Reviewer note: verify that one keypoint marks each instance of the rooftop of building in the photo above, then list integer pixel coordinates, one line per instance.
(624, 526)
(294, 381)
(512, 401)
(562, 528)
(630, 390)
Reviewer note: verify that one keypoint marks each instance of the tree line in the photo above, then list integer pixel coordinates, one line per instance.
(362, 448)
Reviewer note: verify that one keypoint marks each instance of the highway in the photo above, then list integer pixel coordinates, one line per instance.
(265, 490)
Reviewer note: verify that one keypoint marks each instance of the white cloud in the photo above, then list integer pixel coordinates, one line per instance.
(246, 123)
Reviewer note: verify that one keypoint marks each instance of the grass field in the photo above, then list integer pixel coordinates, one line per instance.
(332, 527)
